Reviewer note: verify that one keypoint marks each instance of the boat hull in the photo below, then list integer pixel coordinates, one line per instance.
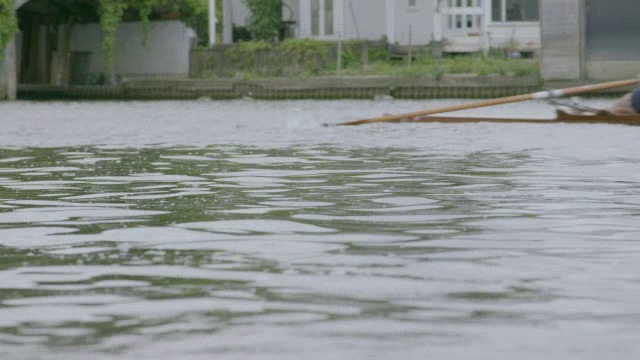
(562, 117)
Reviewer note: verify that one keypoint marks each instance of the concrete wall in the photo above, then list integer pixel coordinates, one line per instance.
(612, 38)
(562, 34)
(3, 77)
(168, 54)
(8, 73)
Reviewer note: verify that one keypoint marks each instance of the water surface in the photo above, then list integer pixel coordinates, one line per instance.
(247, 230)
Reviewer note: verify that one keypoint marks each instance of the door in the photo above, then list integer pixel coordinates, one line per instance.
(463, 18)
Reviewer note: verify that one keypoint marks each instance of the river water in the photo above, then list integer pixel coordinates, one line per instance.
(247, 230)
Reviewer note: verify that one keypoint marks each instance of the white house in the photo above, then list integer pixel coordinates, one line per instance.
(463, 25)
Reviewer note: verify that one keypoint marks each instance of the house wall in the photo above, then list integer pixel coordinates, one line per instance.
(239, 13)
(364, 19)
(561, 38)
(168, 54)
(419, 18)
(523, 36)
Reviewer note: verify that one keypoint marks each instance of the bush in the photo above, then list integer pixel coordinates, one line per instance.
(265, 20)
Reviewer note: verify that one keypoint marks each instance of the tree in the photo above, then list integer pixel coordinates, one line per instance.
(265, 20)
(8, 23)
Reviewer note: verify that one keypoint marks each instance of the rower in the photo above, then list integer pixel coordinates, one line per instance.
(628, 104)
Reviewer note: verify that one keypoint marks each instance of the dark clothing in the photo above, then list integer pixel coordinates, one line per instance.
(635, 100)
(628, 104)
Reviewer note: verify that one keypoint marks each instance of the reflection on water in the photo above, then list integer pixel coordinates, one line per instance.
(318, 251)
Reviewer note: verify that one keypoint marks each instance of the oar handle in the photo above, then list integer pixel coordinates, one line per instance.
(506, 100)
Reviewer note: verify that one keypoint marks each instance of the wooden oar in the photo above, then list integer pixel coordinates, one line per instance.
(511, 99)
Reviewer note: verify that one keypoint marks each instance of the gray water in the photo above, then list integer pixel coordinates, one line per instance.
(247, 230)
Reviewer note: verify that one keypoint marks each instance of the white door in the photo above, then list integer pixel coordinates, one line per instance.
(463, 18)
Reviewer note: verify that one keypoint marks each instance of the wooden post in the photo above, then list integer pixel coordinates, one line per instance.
(364, 53)
(410, 54)
(339, 54)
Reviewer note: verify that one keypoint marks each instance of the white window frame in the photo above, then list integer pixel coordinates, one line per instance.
(503, 15)
(464, 14)
(322, 31)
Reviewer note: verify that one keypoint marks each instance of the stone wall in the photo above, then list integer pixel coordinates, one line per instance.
(449, 86)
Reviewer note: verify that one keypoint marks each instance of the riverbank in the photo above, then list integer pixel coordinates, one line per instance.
(448, 86)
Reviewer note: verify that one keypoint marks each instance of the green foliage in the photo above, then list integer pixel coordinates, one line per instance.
(377, 53)
(309, 57)
(303, 48)
(195, 13)
(292, 57)
(145, 7)
(111, 12)
(244, 54)
(8, 23)
(265, 20)
(477, 64)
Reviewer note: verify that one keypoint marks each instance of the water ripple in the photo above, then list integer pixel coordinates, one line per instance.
(313, 250)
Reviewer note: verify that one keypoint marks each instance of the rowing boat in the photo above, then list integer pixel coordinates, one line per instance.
(562, 117)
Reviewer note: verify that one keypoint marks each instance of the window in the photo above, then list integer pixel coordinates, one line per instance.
(464, 3)
(322, 18)
(328, 17)
(461, 14)
(514, 10)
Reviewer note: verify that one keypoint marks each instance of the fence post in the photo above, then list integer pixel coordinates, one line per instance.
(339, 53)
